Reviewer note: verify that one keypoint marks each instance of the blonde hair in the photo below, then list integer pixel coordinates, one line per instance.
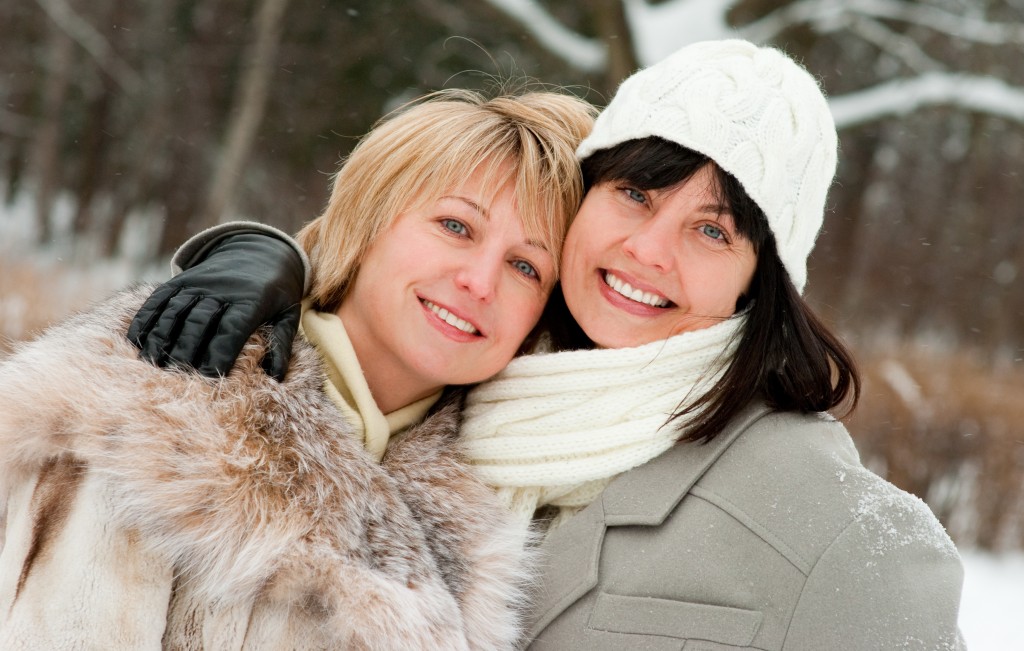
(420, 152)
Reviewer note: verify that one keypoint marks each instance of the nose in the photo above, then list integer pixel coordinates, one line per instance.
(651, 243)
(479, 273)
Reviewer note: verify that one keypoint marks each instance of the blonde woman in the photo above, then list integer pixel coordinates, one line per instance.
(146, 509)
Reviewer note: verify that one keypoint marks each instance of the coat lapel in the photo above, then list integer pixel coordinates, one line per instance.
(567, 568)
(646, 495)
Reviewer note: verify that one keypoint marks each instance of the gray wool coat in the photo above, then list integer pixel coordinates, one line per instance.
(771, 536)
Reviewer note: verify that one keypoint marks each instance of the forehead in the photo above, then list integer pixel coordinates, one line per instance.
(703, 182)
(481, 187)
(477, 185)
(542, 212)
(699, 192)
(530, 202)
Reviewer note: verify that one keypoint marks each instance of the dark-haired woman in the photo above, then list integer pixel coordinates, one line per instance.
(740, 515)
(677, 444)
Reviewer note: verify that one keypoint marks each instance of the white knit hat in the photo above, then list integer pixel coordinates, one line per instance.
(754, 111)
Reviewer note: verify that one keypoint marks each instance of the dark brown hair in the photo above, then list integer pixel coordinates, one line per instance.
(786, 355)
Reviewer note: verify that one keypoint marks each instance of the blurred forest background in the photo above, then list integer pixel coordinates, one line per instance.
(127, 125)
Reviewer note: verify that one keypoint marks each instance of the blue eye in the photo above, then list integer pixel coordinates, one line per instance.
(525, 268)
(635, 195)
(455, 226)
(713, 231)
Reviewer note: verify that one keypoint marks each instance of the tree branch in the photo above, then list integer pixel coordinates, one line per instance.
(83, 33)
(900, 46)
(582, 53)
(981, 94)
(13, 124)
(824, 13)
(249, 106)
(958, 25)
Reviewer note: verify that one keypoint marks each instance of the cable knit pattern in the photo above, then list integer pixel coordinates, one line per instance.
(556, 428)
(754, 111)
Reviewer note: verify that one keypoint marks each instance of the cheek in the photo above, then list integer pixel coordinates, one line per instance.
(532, 309)
(520, 316)
(738, 285)
(751, 269)
(574, 259)
(745, 273)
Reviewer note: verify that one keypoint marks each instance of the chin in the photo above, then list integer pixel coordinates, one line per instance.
(449, 376)
(632, 339)
(612, 340)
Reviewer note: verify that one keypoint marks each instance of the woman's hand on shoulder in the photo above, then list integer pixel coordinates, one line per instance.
(202, 317)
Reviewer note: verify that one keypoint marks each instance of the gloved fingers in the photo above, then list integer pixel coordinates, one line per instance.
(199, 326)
(145, 319)
(234, 328)
(164, 333)
(282, 334)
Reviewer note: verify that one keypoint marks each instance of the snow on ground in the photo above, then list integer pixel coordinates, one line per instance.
(992, 607)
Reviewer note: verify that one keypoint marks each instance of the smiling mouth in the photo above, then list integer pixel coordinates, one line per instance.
(450, 318)
(626, 290)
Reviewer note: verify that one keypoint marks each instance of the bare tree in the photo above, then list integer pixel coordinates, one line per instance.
(614, 30)
(44, 158)
(936, 83)
(250, 103)
(71, 32)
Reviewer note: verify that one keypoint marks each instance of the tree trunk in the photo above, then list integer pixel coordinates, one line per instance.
(613, 28)
(94, 151)
(250, 103)
(44, 168)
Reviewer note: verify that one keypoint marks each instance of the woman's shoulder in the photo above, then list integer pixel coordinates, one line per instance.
(82, 379)
(793, 439)
(799, 477)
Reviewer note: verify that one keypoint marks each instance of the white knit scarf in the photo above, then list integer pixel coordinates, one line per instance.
(555, 428)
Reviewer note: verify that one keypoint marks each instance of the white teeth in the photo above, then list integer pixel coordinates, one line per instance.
(634, 294)
(450, 318)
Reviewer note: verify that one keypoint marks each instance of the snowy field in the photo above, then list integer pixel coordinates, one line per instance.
(992, 607)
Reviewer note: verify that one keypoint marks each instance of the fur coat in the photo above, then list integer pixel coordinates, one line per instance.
(142, 508)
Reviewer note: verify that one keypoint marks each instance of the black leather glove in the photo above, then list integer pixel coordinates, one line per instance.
(202, 317)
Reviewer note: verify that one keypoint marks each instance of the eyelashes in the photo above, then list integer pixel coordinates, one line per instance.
(461, 230)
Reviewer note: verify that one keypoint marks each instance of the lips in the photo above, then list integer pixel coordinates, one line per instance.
(635, 294)
(446, 315)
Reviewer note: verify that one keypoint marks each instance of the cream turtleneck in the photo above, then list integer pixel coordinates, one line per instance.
(346, 385)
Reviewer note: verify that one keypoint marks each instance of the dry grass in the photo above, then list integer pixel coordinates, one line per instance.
(950, 429)
(36, 293)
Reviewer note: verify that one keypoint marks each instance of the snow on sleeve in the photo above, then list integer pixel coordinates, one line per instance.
(898, 519)
(890, 580)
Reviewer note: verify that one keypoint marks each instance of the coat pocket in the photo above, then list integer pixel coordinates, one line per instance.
(679, 619)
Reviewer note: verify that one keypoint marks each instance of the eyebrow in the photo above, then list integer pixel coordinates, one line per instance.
(469, 202)
(537, 244)
(716, 209)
